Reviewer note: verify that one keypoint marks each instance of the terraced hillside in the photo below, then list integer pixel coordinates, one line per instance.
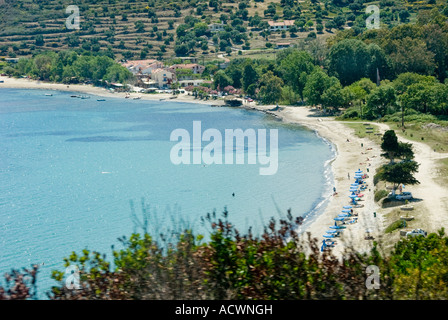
(164, 29)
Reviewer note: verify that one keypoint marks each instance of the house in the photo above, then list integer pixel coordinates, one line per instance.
(283, 45)
(188, 59)
(163, 78)
(144, 67)
(194, 67)
(216, 27)
(12, 60)
(192, 82)
(279, 26)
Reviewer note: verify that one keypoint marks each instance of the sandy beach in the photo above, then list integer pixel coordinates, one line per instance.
(102, 92)
(350, 157)
(353, 153)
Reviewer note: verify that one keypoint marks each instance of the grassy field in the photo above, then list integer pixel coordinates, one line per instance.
(443, 171)
(436, 138)
(362, 132)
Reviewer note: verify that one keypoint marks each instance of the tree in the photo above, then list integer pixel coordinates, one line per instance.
(404, 15)
(394, 149)
(139, 26)
(235, 72)
(411, 55)
(295, 68)
(117, 73)
(380, 101)
(200, 29)
(181, 50)
(339, 21)
(336, 96)
(330, 25)
(359, 91)
(39, 41)
(401, 172)
(349, 60)
(398, 173)
(389, 144)
(270, 88)
(316, 84)
(405, 80)
(250, 76)
(221, 80)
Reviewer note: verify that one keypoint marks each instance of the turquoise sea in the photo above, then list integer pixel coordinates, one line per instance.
(70, 168)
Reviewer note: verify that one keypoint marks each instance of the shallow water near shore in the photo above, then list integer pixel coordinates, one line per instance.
(70, 167)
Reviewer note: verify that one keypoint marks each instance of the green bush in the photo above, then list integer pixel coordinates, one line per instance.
(395, 225)
(380, 194)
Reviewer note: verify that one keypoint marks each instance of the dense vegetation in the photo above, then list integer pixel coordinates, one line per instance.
(70, 67)
(376, 74)
(232, 265)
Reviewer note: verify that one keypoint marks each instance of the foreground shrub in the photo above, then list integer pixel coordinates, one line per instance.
(278, 264)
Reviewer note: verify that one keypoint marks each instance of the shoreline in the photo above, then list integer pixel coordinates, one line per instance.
(344, 161)
(14, 83)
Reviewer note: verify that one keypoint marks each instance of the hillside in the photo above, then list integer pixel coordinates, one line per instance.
(156, 29)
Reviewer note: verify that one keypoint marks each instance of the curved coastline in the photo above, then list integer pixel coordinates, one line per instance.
(345, 160)
(350, 154)
(324, 200)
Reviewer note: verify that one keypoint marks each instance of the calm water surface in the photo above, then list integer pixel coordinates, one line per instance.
(70, 168)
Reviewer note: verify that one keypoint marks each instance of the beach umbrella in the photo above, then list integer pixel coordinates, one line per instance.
(353, 189)
(346, 211)
(331, 231)
(347, 207)
(358, 171)
(354, 184)
(343, 215)
(353, 196)
(328, 235)
(339, 219)
(336, 226)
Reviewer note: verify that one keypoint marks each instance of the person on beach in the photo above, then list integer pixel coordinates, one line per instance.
(348, 175)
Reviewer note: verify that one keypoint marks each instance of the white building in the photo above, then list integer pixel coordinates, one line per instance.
(145, 67)
(194, 67)
(163, 78)
(192, 82)
(279, 26)
(216, 27)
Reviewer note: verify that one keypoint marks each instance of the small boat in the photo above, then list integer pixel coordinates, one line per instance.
(49, 94)
(100, 99)
(137, 98)
(85, 97)
(74, 96)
